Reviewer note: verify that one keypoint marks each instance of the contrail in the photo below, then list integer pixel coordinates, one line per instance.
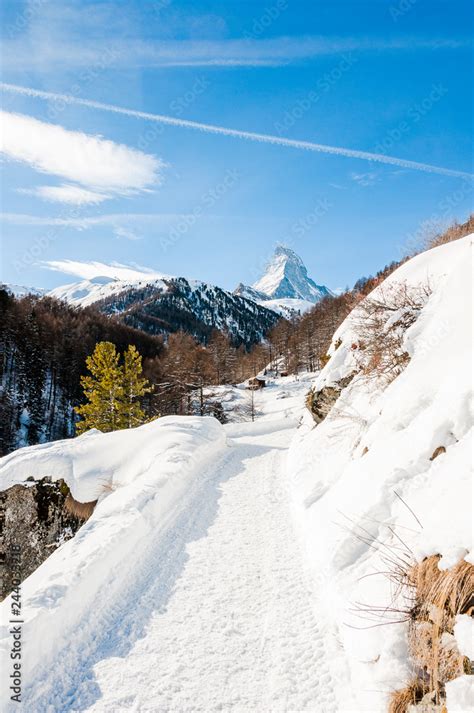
(250, 135)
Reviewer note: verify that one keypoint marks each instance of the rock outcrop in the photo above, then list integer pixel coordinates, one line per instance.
(33, 523)
(321, 402)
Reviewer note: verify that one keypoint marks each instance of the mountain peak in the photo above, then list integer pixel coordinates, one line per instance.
(286, 276)
(282, 249)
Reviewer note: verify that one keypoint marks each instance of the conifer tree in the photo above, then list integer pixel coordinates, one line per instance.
(134, 386)
(104, 391)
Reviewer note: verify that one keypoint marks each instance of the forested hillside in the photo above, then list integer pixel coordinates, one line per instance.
(43, 347)
(193, 307)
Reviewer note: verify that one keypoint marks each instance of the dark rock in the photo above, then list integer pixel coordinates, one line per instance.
(321, 402)
(33, 523)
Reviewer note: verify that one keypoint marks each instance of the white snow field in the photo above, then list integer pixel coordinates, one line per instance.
(222, 565)
(186, 589)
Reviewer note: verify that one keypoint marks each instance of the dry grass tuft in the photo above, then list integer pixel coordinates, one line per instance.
(450, 590)
(454, 232)
(437, 596)
(411, 694)
(82, 511)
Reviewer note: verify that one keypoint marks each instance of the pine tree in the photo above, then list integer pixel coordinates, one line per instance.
(104, 390)
(113, 390)
(134, 386)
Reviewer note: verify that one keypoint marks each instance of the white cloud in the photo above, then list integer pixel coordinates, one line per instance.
(66, 193)
(90, 270)
(101, 166)
(126, 233)
(364, 179)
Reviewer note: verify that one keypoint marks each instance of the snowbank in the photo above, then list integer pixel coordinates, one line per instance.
(365, 478)
(96, 463)
(144, 478)
(464, 633)
(460, 694)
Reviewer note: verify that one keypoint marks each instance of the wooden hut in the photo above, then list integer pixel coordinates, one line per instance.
(257, 382)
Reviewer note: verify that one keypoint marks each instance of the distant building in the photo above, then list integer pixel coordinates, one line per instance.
(258, 382)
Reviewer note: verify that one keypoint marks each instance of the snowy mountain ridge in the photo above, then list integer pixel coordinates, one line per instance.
(169, 305)
(89, 291)
(285, 284)
(22, 290)
(161, 304)
(178, 303)
(287, 277)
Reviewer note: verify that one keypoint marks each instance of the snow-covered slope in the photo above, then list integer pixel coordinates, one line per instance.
(144, 479)
(87, 292)
(21, 290)
(286, 307)
(389, 464)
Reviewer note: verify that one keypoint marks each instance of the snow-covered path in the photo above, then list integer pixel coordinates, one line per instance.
(229, 621)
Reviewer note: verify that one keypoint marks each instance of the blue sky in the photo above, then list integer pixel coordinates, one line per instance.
(83, 184)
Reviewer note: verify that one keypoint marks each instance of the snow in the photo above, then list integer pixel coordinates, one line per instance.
(96, 462)
(464, 633)
(287, 307)
(247, 647)
(21, 291)
(365, 472)
(87, 292)
(460, 695)
(151, 474)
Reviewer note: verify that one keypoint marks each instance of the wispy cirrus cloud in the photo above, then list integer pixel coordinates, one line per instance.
(125, 226)
(85, 222)
(66, 193)
(38, 52)
(98, 168)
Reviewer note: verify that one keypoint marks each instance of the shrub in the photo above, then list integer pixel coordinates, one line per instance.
(380, 324)
(437, 597)
(454, 232)
(323, 360)
(410, 695)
